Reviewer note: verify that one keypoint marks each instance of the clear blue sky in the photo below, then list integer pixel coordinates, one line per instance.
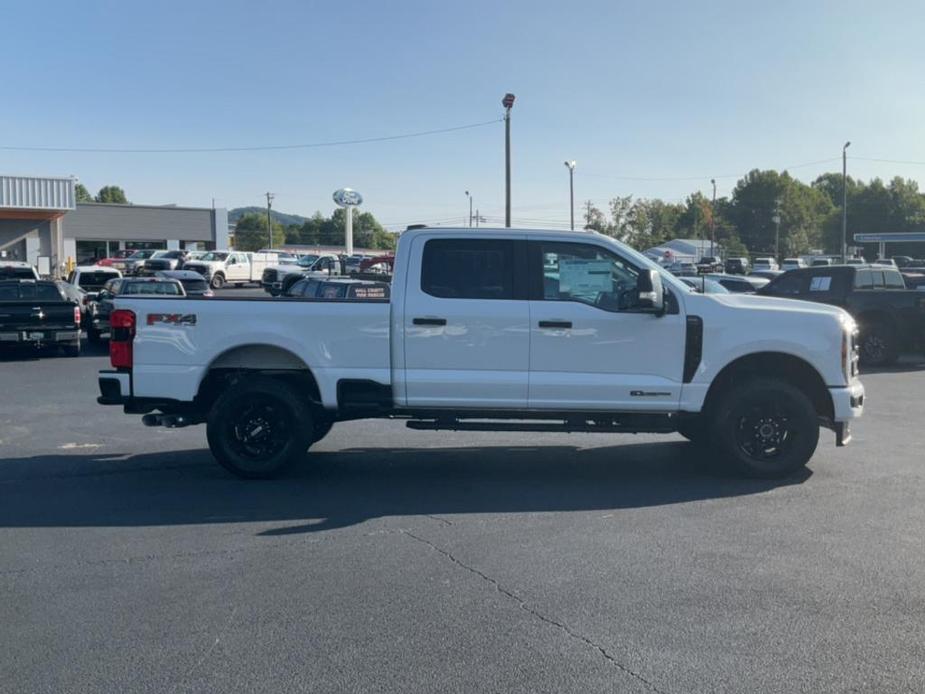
(656, 90)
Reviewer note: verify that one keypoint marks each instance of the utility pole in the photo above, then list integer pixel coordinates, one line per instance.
(570, 165)
(476, 219)
(844, 201)
(508, 103)
(270, 197)
(470, 208)
(713, 221)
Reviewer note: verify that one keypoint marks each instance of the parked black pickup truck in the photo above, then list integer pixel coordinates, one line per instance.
(37, 312)
(891, 318)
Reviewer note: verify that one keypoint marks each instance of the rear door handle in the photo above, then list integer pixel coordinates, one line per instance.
(555, 324)
(429, 321)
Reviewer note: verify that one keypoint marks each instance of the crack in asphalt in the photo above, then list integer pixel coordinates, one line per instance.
(522, 604)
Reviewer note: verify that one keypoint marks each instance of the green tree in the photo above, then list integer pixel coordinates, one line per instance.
(112, 194)
(803, 212)
(594, 218)
(82, 194)
(250, 233)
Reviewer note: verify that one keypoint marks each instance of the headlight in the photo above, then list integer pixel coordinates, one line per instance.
(849, 351)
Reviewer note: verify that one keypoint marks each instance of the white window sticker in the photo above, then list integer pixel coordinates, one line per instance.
(579, 276)
(820, 284)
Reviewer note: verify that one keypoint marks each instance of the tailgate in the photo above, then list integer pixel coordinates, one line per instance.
(34, 321)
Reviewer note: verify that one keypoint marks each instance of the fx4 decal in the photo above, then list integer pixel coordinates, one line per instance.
(172, 318)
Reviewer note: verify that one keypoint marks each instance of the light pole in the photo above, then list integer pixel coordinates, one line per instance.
(776, 220)
(844, 201)
(270, 197)
(508, 103)
(570, 165)
(713, 221)
(470, 208)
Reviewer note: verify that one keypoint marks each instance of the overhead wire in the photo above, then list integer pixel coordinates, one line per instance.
(254, 148)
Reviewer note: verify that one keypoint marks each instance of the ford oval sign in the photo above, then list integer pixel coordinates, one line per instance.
(347, 196)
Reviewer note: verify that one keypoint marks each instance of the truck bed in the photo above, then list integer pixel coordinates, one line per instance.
(178, 340)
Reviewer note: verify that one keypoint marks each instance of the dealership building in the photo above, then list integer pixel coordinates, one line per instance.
(42, 223)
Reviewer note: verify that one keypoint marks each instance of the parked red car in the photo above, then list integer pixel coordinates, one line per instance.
(118, 255)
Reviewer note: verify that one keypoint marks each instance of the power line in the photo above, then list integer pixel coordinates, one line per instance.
(704, 177)
(890, 161)
(257, 148)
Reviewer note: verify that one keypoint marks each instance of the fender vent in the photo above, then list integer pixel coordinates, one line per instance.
(693, 347)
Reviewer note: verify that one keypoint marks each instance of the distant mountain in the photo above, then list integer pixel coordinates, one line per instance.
(285, 219)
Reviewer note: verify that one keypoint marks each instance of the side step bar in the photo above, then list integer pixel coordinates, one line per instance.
(624, 424)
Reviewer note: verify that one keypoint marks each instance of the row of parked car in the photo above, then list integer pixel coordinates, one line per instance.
(877, 295)
(46, 313)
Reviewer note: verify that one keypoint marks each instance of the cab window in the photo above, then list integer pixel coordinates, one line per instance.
(468, 268)
(586, 274)
(893, 280)
(863, 279)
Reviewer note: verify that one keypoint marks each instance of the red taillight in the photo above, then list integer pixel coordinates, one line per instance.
(121, 336)
(77, 316)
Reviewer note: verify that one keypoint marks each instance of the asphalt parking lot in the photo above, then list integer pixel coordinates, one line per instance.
(398, 561)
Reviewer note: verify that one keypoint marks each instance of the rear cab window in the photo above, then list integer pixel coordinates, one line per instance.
(468, 268)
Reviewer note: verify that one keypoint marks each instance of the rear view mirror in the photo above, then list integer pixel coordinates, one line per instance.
(651, 295)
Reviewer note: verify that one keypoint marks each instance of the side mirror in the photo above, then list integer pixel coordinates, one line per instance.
(651, 295)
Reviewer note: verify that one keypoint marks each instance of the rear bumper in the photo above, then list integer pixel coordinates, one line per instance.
(40, 335)
(115, 387)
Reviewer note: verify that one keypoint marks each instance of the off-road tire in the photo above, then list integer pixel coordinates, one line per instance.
(258, 427)
(763, 427)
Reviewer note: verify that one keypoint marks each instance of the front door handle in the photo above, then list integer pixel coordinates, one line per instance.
(429, 321)
(555, 324)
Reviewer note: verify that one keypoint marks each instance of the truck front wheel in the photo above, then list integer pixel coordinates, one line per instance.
(217, 281)
(878, 344)
(258, 427)
(765, 428)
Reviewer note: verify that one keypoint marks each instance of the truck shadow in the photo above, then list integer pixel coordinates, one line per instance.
(344, 488)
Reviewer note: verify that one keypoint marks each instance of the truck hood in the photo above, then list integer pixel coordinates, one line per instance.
(753, 302)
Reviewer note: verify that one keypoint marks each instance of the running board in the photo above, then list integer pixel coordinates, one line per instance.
(624, 424)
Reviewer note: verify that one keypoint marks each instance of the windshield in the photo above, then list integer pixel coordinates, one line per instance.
(141, 255)
(214, 255)
(307, 260)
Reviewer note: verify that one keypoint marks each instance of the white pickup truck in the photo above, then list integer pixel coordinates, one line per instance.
(495, 330)
(237, 267)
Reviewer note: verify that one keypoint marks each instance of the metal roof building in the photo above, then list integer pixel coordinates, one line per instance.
(41, 223)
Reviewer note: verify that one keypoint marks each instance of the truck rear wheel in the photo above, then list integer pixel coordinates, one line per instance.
(765, 428)
(258, 427)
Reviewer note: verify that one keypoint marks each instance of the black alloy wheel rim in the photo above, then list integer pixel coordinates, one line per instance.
(261, 429)
(765, 431)
(874, 348)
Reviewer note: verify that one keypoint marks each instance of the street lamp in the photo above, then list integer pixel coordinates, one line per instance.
(713, 221)
(470, 208)
(571, 189)
(844, 201)
(776, 220)
(508, 103)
